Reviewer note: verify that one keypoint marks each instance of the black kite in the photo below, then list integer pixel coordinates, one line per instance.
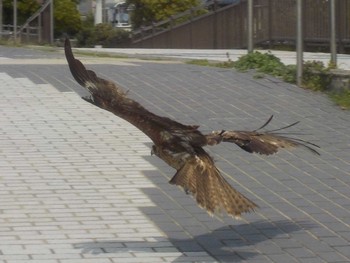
(181, 146)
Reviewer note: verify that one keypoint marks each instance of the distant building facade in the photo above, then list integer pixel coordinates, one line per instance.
(115, 12)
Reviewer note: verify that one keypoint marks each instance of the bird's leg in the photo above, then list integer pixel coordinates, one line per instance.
(215, 137)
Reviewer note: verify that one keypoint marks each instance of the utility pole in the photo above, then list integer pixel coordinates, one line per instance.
(299, 42)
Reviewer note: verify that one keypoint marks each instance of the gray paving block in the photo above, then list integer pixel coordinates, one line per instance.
(300, 252)
(332, 256)
(81, 183)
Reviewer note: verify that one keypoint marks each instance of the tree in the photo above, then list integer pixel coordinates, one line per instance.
(147, 11)
(66, 17)
(104, 34)
(25, 8)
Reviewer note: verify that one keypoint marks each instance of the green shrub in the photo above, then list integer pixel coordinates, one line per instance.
(315, 75)
(262, 62)
(290, 74)
(103, 34)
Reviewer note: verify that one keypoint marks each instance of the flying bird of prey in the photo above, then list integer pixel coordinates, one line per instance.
(181, 146)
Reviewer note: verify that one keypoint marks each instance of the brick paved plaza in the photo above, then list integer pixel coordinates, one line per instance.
(78, 184)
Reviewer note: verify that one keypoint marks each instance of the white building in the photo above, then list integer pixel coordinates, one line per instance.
(107, 11)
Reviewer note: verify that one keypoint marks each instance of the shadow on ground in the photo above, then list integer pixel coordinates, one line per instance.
(189, 229)
(225, 244)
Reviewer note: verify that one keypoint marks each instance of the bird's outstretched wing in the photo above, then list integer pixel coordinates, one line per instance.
(198, 176)
(268, 142)
(109, 96)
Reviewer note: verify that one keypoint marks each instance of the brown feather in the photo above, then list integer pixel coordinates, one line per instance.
(180, 145)
(268, 142)
(264, 143)
(198, 176)
(107, 95)
(209, 188)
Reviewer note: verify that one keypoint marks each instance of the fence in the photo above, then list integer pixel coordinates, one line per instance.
(274, 23)
(29, 34)
(37, 29)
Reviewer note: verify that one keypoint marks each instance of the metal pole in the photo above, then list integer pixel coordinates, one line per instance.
(333, 43)
(40, 31)
(299, 43)
(1, 8)
(250, 26)
(98, 12)
(51, 23)
(15, 20)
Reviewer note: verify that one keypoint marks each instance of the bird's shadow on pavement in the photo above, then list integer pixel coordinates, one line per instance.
(189, 229)
(224, 244)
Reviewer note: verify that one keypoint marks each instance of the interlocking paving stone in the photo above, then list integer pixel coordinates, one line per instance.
(78, 184)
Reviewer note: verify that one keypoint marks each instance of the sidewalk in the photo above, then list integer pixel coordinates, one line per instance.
(287, 57)
(78, 184)
(68, 192)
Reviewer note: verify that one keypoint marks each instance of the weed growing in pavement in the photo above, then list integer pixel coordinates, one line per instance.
(342, 99)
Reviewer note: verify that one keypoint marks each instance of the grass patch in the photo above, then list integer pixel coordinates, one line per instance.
(200, 62)
(204, 62)
(99, 54)
(10, 43)
(46, 48)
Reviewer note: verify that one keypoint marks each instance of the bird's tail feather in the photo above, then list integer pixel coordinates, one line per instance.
(212, 192)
